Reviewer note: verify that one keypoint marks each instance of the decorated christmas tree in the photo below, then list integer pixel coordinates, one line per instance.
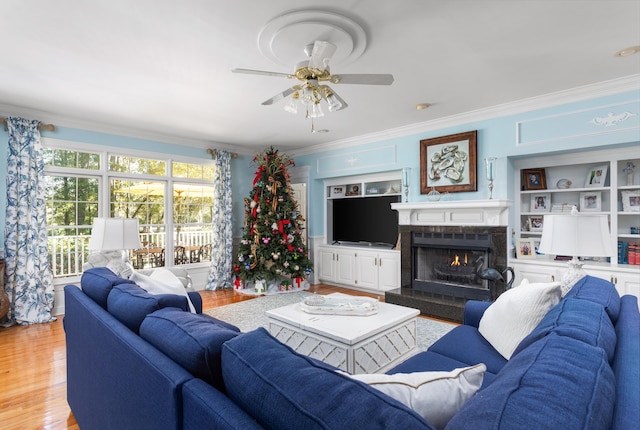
(271, 248)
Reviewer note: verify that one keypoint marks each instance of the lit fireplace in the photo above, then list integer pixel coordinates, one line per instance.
(444, 249)
(447, 263)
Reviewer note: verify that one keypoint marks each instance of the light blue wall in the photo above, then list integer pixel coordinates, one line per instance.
(545, 131)
(496, 137)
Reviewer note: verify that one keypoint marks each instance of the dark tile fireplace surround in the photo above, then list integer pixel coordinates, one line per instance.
(431, 282)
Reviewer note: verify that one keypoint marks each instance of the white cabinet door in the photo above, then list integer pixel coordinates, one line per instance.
(534, 273)
(346, 267)
(367, 269)
(628, 284)
(388, 270)
(327, 269)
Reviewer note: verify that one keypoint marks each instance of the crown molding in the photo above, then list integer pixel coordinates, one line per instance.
(578, 94)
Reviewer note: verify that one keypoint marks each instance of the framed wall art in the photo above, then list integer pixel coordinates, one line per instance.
(534, 179)
(591, 201)
(541, 202)
(449, 163)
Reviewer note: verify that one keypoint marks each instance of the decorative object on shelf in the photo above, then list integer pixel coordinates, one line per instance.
(525, 248)
(449, 163)
(534, 179)
(406, 176)
(596, 176)
(536, 223)
(629, 171)
(591, 201)
(540, 202)
(353, 190)
(434, 195)
(575, 235)
(337, 191)
(490, 164)
(564, 184)
(110, 237)
(631, 201)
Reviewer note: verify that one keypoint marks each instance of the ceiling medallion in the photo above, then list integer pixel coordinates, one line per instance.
(280, 40)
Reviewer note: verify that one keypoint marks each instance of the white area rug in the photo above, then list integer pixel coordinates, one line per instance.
(249, 314)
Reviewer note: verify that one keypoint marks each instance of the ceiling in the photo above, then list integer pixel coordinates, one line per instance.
(163, 68)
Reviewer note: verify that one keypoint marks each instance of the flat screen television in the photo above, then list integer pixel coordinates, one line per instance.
(366, 219)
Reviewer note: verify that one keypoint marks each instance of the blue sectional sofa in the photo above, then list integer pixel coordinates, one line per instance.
(135, 362)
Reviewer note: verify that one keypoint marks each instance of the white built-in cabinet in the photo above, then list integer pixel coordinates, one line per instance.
(359, 267)
(575, 168)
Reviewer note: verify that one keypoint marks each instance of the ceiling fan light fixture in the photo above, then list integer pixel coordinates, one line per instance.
(292, 105)
(333, 103)
(316, 111)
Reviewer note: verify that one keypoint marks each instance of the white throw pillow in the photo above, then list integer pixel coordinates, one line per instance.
(162, 281)
(436, 396)
(516, 313)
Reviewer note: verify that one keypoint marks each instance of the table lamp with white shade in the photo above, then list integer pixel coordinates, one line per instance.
(573, 235)
(110, 237)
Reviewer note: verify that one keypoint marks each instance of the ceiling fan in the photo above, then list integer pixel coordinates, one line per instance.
(312, 73)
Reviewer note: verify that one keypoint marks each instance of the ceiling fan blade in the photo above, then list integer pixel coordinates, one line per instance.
(286, 93)
(321, 54)
(262, 72)
(363, 79)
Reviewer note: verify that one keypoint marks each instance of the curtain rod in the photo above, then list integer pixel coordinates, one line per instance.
(213, 153)
(48, 127)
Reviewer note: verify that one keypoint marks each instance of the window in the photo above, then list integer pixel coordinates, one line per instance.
(80, 187)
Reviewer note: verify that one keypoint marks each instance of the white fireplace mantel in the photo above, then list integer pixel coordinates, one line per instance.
(462, 212)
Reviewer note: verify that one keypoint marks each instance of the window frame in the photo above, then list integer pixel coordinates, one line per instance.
(105, 176)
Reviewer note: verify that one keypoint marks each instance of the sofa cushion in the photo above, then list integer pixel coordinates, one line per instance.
(580, 319)
(285, 390)
(130, 304)
(556, 383)
(97, 283)
(515, 313)
(433, 361)
(162, 281)
(194, 341)
(436, 396)
(465, 344)
(599, 291)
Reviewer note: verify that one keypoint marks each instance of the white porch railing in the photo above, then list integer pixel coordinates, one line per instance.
(69, 253)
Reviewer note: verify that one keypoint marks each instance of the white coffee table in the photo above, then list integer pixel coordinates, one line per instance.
(356, 344)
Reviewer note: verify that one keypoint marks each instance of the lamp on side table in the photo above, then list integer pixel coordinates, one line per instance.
(575, 235)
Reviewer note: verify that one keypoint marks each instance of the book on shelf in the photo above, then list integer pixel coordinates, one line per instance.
(562, 207)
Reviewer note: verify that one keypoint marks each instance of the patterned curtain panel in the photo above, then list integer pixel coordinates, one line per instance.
(29, 281)
(220, 275)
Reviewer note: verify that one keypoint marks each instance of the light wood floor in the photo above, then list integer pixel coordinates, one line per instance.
(33, 368)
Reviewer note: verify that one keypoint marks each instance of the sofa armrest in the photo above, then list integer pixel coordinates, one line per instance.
(473, 311)
(196, 300)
